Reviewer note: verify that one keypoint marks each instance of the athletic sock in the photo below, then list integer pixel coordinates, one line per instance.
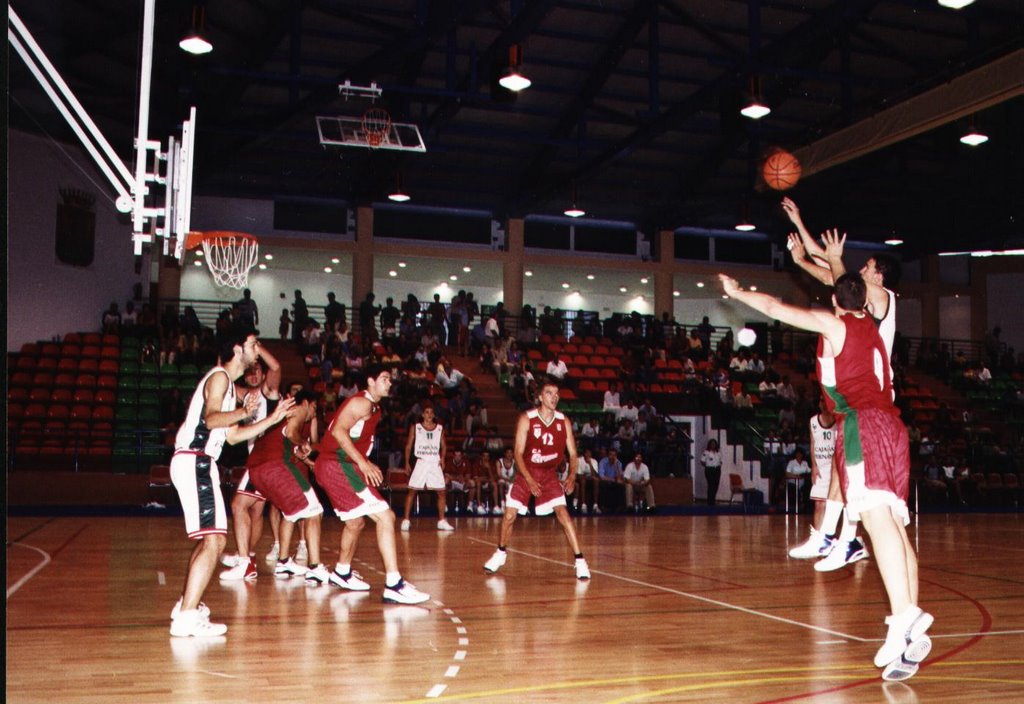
(849, 531)
(833, 509)
(391, 579)
(343, 570)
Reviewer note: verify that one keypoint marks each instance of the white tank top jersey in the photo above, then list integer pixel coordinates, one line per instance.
(262, 411)
(824, 441)
(193, 434)
(427, 444)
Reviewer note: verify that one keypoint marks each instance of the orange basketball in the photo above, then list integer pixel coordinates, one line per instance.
(781, 170)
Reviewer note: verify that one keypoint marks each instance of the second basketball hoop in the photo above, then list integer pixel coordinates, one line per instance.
(230, 256)
(376, 125)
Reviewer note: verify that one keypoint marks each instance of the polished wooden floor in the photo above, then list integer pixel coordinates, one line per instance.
(680, 609)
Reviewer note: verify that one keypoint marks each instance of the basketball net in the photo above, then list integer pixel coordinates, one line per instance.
(376, 123)
(230, 256)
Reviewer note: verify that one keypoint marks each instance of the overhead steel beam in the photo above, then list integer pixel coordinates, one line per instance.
(971, 92)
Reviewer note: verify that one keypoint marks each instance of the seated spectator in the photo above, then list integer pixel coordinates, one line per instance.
(587, 481)
(449, 379)
(588, 434)
(111, 320)
(743, 403)
(476, 417)
(459, 471)
(130, 317)
(625, 436)
(556, 368)
(482, 488)
(637, 479)
(785, 389)
(754, 365)
(611, 399)
(505, 470)
(798, 472)
(613, 494)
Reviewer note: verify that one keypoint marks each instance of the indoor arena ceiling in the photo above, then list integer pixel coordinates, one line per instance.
(634, 105)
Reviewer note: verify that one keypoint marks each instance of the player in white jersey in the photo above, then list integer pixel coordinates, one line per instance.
(823, 446)
(247, 503)
(879, 273)
(213, 418)
(427, 446)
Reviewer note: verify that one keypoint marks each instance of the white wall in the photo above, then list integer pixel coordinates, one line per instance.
(45, 297)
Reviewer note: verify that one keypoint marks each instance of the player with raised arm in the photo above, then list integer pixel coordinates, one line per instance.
(261, 380)
(350, 479)
(872, 452)
(278, 470)
(213, 418)
(825, 263)
(543, 437)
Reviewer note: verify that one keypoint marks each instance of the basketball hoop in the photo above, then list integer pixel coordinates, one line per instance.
(229, 255)
(376, 124)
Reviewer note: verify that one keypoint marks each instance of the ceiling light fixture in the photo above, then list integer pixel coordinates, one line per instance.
(268, 257)
(622, 289)
(744, 224)
(398, 195)
(401, 265)
(527, 273)
(263, 267)
(453, 277)
(328, 270)
(335, 260)
(194, 42)
(644, 280)
(956, 4)
(973, 137)
(392, 273)
(467, 269)
(513, 79)
(756, 109)
(700, 284)
(565, 284)
(894, 242)
(574, 211)
(590, 277)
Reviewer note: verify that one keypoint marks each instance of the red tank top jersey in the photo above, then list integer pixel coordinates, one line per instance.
(361, 433)
(545, 442)
(272, 446)
(862, 377)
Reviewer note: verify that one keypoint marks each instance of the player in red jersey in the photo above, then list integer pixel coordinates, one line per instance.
(277, 469)
(872, 453)
(350, 479)
(543, 435)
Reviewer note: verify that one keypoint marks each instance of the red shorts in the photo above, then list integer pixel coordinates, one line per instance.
(287, 488)
(551, 492)
(873, 459)
(347, 489)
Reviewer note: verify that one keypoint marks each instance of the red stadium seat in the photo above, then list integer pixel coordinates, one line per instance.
(601, 349)
(103, 413)
(73, 337)
(17, 394)
(106, 381)
(67, 364)
(71, 350)
(105, 396)
(49, 349)
(581, 359)
(46, 364)
(91, 351)
(35, 411)
(110, 352)
(110, 339)
(92, 338)
(39, 394)
(61, 396)
(16, 411)
(88, 366)
(87, 381)
(570, 348)
(58, 411)
(586, 348)
(81, 412)
(21, 379)
(26, 363)
(108, 366)
(42, 379)
(65, 380)
(587, 385)
(30, 349)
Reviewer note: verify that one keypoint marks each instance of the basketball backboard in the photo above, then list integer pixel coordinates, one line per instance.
(346, 131)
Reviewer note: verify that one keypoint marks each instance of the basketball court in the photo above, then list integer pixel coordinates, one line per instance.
(680, 608)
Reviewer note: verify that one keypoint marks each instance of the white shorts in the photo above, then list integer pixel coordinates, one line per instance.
(819, 489)
(197, 480)
(427, 474)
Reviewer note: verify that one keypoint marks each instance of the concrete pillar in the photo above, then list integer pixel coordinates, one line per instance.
(512, 266)
(362, 258)
(663, 274)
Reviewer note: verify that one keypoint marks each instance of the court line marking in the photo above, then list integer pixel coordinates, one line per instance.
(845, 672)
(689, 595)
(32, 572)
(161, 578)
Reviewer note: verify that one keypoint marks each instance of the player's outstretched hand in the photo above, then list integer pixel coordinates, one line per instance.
(796, 246)
(833, 243)
(792, 212)
(284, 406)
(730, 285)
